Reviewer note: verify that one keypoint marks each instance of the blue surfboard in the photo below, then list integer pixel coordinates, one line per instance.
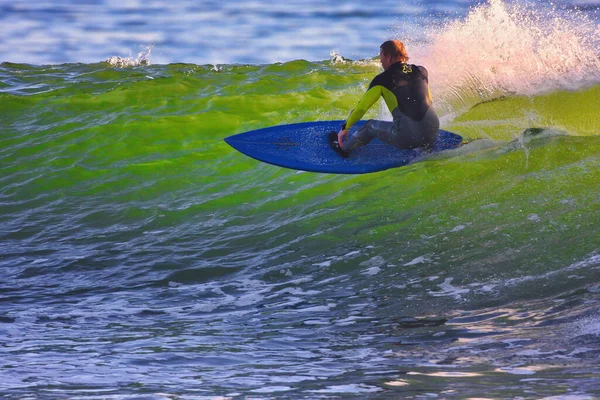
(304, 146)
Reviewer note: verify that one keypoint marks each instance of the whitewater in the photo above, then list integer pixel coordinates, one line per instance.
(143, 258)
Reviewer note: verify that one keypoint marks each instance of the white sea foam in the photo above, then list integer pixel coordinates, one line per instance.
(503, 48)
(272, 389)
(458, 228)
(419, 260)
(336, 58)
(517, 370)
(371, 271)
(376, 261)
(588, 326)
(351, 388)
(533, 217)
(143, 58)
(450, 290)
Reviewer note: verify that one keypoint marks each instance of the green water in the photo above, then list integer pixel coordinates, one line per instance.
(125, 216)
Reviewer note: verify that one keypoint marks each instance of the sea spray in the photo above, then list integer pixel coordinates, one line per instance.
(502, 48)
(530, 54)
(143, 58)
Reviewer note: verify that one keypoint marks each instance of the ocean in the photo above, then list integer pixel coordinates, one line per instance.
(141, 257)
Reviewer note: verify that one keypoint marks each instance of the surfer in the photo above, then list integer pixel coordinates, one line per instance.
(405, 90)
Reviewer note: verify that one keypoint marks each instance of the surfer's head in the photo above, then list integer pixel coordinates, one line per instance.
(392, 51)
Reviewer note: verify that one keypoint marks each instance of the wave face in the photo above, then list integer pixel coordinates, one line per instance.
(142, 256)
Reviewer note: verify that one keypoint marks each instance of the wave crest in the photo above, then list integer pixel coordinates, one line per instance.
(143, 58)
(504, 49)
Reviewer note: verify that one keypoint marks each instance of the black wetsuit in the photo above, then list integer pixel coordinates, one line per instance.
(405, 89)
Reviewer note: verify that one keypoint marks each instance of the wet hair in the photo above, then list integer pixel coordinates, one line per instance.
(396, 49)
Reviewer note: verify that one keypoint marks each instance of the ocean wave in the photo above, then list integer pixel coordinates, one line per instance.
(505, 49)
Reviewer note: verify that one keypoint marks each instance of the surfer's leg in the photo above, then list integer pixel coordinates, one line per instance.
(371, 130)
(410, 134)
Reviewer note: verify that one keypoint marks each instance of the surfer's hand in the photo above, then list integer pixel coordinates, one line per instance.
(342, 135)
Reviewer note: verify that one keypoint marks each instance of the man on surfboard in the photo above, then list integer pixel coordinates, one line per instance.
(405, 89)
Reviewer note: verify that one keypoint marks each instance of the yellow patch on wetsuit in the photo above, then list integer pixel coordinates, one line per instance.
(368, 99)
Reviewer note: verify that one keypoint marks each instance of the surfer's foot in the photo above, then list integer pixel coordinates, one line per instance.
(333, 142)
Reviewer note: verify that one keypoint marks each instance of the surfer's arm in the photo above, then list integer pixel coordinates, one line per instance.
(368, 99)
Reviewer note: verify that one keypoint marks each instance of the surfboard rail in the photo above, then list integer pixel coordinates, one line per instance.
(303, 146)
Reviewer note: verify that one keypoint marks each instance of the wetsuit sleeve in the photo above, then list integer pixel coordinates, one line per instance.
(368, 99)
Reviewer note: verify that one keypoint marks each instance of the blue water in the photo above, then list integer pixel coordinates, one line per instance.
(141, 257)
(217, 32)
